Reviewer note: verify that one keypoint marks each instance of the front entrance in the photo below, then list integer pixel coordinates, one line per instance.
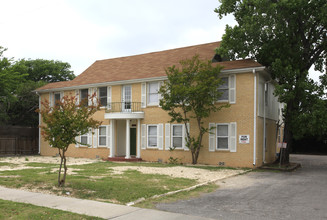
(133, 141)
(125, 138)
(121, 139)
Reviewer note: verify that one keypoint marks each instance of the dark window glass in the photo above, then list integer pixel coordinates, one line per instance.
(84, 96)
(103, 93)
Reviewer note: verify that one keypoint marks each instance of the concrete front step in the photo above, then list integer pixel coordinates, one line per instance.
(132, 159)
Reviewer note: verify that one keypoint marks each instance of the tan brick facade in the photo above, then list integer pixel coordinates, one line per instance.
(249, 109)
(242, 113)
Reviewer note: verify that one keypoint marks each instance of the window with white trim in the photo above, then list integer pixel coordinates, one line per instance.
(153, 96)
(84, 93)
(84, 139)
(152, 136)
(177, 136)
(56, 98)
(224, 90)
(103, 96)
(222, 137)
(102, 136)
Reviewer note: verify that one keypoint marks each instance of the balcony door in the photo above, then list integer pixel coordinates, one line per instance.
(127, 98)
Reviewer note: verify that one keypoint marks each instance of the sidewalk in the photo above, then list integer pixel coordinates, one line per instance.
(89, 207)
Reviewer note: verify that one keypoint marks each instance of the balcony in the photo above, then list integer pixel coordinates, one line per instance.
(124, 110)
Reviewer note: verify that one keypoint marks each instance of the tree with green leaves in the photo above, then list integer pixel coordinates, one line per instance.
(22, 110)
(45, 70)
(38, 73)
(10, 81)
(288, 37)
(64, 122)
(18, 80)
(190, 93)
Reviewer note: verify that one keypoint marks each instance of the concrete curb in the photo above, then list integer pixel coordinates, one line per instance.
(292, 167)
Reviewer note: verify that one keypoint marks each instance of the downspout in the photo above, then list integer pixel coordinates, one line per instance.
(264, 124)
(39, 123)
(255, 118)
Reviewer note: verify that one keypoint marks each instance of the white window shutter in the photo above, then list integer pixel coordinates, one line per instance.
(108, 139)
(90, 92)
(159, 95)
(232, 137)
(78, 139)
(232, 89)
(143, 136)
(95, 98)
(167, 136)
(109, 97)
(160, 136)
(185, 138)
(61, 95)
(77, 96)
(143, 95)
(95, 137)
(212, 137)
(89, 138)
(51, 99)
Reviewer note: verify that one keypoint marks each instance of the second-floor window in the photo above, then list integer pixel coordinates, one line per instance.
(224, 89)
(103, 96)
(84, 95)
(56, 98)
(228, 89)
(153, 96)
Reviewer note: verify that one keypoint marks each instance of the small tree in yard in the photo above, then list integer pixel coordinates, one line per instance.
(64, 122)
(191, 93)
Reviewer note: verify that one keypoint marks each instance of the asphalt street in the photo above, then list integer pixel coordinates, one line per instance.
(301, 194)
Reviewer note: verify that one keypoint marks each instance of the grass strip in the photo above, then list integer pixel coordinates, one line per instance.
(16, 210)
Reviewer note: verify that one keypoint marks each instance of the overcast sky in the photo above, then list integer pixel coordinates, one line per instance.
(82, 31)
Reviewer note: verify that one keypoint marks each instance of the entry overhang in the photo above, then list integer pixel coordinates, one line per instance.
(124, 115)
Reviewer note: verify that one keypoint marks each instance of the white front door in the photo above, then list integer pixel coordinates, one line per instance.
(127, 98)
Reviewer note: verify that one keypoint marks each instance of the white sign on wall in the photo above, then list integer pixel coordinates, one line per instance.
(244, 139)
(282, 145)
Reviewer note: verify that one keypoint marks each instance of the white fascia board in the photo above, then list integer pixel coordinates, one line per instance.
(121, 82)
(243, 70)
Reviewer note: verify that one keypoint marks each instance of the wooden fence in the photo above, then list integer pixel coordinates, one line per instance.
(18, 140)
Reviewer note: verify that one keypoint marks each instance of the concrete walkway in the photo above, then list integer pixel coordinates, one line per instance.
(89, 207)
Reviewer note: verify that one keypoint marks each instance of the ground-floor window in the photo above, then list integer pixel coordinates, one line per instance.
(222, 136)
(177, 136)
(84, 139)
(152, 136)
(102, 136)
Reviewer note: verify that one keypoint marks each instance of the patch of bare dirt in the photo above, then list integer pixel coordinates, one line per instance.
(20, 163)
(201, 175)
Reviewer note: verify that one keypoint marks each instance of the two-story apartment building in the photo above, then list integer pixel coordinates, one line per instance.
(134, 125)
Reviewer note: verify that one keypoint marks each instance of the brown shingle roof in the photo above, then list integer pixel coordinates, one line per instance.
(145, 66)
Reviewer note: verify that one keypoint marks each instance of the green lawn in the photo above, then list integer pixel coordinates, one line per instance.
(16, 210)
(96, 181)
